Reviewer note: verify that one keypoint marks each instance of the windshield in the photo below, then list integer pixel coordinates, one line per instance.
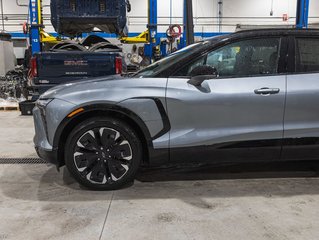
(161, 65)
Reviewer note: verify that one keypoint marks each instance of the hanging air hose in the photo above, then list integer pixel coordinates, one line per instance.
(174, 31)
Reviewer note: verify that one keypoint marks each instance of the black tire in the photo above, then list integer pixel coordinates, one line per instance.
(103, 153)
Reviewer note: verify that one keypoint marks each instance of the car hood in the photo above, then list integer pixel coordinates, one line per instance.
(107, 89)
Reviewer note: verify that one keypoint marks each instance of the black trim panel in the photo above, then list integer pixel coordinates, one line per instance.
(256, 150)
(283, 55)
(304, 141)
(250, 144)
(306, 148)
(162, 111)
(165, 119)
(49, 156)
(291, 56)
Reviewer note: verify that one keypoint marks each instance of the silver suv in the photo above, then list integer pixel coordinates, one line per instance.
(247, 96)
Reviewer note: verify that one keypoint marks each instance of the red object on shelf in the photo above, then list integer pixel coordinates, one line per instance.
(285, 17)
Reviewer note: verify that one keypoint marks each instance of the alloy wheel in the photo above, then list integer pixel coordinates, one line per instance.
(102, 155)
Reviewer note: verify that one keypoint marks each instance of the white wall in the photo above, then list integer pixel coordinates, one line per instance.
(205, 13)
(18, 15)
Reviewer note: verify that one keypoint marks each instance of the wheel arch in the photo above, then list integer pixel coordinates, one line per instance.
(114, 111)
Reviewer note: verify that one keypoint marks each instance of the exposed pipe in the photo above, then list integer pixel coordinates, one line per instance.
(2, 15)
(170, 12)
(198, 25)
(10, 16)
(46, 17)
(272, 8)
(220, 15)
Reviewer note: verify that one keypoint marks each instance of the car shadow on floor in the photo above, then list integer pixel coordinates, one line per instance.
(192, 184)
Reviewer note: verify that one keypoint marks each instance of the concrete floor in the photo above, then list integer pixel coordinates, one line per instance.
(37, 202)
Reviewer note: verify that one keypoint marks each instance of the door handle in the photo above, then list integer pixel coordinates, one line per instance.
(267, 91)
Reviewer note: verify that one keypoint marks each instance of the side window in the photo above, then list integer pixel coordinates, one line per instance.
(307, 55)
(243, 58)
(186, 71)
(224, 59)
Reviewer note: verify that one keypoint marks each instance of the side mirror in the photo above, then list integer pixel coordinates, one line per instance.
(198, 80)
(201, 73)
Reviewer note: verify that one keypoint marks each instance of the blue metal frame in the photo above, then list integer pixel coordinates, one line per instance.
(152, 27)
(20, 35)
(35, 40)
(302, 14)
(155, 36)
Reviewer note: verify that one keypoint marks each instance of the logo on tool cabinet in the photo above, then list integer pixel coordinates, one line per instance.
(75, 63)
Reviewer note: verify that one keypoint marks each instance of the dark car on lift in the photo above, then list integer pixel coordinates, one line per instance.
(69, 61)
(94, 56)
(247, 96)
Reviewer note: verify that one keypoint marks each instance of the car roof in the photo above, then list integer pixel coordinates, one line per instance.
(277, 31)
(266, 32)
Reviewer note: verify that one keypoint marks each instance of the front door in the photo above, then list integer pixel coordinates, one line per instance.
(236, 116)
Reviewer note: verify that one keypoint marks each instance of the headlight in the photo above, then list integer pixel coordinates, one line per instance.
(42, 103)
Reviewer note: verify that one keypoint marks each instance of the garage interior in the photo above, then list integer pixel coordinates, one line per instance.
(275, 200)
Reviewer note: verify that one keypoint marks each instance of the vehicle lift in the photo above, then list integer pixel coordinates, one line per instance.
(150, 37)
(37, 35)
(302, 14)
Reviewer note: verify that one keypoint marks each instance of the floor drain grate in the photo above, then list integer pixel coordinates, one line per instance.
(22, 161)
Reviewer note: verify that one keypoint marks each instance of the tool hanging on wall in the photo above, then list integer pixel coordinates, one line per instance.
(173, 33)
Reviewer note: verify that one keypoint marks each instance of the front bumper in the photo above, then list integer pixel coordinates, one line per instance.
(47, 155)
(46, 122)
(42, 146)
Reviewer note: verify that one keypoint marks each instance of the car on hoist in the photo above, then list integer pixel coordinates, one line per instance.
(247, 96)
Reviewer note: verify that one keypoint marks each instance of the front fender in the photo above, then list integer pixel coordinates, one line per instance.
(150, 129)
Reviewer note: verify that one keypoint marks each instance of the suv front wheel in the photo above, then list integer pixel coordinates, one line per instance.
(103, 153)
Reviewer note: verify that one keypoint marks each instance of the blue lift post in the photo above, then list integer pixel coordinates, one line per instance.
(188, 32)
(34, 25)
(152, 27)
(302, 14)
